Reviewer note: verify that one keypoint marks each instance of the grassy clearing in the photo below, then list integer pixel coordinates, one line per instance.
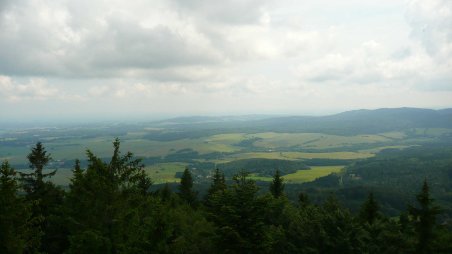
(311, 174)
(302, 176)
(432, 132)
(260, 178)
(394, 135)
(315, 140)
(300, 155)
(378, 149)
(165, 172)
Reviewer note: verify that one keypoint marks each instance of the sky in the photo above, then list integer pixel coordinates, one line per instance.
(110, 59)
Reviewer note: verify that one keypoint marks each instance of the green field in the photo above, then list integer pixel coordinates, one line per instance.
(165, 172)
(301, 155)
(311, 174)
(166, 156)
(302, 176)
(314, 140)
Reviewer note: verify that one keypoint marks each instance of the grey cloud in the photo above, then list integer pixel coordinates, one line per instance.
(71, 48)
(431, 23)
(129, 46)
(232, 12)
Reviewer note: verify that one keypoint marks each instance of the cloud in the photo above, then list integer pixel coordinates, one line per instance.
(34, 89)
(229, 12)
(431, 24)
(49, 40)
(256, 55)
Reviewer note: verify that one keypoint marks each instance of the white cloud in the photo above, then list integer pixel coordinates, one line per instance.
(246, 55)
(431, 23)
(34, 89)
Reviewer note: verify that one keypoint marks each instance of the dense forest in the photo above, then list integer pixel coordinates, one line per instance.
(109, 208)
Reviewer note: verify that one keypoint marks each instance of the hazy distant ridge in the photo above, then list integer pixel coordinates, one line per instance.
(346, 123)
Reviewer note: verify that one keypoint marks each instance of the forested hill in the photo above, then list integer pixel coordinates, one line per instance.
(346, 123)
(365, 121)
(109, 208)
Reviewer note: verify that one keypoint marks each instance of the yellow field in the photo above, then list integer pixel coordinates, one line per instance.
(378, 149)
(301, 155)
(311, 174)
(302, 176)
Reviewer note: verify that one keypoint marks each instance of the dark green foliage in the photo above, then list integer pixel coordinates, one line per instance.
(48, 199)
(277, 185)
(424, 218)
(238, 214)
(89, 242)
(165, 192)
(186, 191)
(369, 210)
(303, 199)
(218, 184)
(101, 197)
(19, 231)
(33, 182)
(109, 209)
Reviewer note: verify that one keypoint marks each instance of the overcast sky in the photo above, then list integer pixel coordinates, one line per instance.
(143, 58)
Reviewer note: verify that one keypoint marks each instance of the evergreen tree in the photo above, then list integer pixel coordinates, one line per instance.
(49, 200)
(77, 173)
(424, 218)
(369, 210)
(38, 158)
(239, 215)
(19, 231)
(277, 185)
(186, 188)
(108, 203)
(303, 199)
(218, 185)
(165, 192)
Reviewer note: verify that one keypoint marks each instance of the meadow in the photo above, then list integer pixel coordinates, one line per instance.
(165, 157)
(302, 176)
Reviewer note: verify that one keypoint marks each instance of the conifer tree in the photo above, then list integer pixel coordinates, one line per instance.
(19, 231)
(218, 183)
(77, 172)
(186, 188)
(424, 217)
(38, 158)
(105, 200)
(277, 185)
(369, 210)
(303, 199)
(165, 192)
(49, 200)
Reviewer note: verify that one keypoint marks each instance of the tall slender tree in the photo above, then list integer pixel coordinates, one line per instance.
(38, 158)
(19, 231)
(186, 191)
(218, 182)
(424, 217)
(277, 185)
(369, 210)
(49, 199)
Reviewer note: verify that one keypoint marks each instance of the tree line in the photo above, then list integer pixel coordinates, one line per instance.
(109, 208)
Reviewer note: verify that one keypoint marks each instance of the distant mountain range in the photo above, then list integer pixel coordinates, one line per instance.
(346, 123)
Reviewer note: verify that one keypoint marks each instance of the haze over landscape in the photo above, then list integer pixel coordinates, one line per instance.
(66, 60)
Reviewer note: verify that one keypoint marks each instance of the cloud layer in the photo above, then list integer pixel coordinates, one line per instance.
(254, 56)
